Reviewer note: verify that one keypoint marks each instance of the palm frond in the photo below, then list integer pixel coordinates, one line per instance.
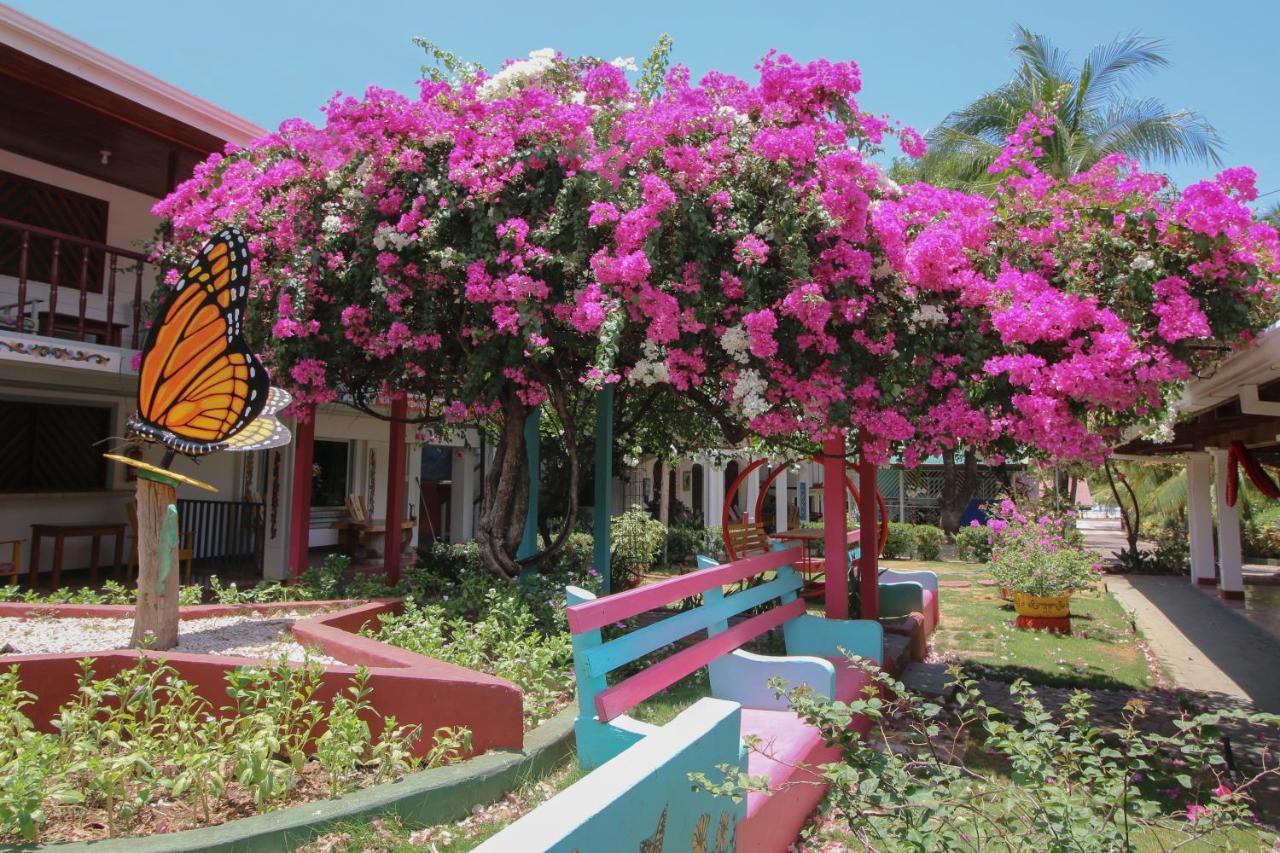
(1146, 129)
(1109, 69)
(1042, 62)
(991, 117)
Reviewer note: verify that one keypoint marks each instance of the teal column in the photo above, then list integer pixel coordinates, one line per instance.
(529, 542)
(604, 485)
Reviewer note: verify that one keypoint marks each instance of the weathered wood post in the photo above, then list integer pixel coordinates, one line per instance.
(155, 620)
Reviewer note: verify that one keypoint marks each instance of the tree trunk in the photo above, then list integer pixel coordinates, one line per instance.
(155, 620)
(506, 495)
(958, 487)
(1130, 516)
(505, 502)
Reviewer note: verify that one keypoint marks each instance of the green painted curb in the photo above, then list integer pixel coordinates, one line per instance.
(427, 797)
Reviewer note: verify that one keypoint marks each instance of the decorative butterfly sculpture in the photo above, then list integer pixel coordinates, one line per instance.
(200, 388)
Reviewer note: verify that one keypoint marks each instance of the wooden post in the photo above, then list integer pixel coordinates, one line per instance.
(603, 516)
(304, 447)
(868, 538)
(395, 489)
(155, 620)
(835, 546)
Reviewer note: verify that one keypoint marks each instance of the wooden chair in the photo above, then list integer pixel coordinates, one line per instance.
(186, 548)
(13, 565)
(746, 538)
(357, 508)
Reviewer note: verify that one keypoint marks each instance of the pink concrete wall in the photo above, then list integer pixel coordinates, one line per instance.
(415, 689)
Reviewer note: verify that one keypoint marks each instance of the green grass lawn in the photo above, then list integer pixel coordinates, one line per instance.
(977, 629)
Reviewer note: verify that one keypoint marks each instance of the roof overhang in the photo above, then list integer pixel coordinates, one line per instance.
(54, 48)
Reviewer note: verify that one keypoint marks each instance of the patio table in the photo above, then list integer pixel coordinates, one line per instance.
(62, 532)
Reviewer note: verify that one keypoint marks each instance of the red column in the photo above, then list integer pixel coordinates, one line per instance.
(868, 539)
(304, 446)
(835, 546)
(395, 490)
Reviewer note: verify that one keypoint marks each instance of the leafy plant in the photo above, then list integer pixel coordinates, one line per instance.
(899, 542)
(145, 732)
(973, 544)
(968, 777)
(506, 640)
(636, 541)
(928, 541)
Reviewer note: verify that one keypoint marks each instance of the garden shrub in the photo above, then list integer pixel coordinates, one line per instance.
(685, 542)
(1035, 556)
(973, 544)
(1261, 539)
(928, 541)
(969, 777)
(899, 542)
(505, 639)
(635, 544)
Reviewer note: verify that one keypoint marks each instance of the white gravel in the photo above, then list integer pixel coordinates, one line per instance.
(243, 635)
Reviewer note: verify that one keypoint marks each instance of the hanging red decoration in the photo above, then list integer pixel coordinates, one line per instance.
(1238, 455)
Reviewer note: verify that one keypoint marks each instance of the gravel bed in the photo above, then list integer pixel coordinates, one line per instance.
(243, 635)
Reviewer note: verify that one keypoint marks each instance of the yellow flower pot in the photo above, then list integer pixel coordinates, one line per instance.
(1042, 606)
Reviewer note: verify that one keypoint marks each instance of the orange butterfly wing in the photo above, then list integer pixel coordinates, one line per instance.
(199, 384)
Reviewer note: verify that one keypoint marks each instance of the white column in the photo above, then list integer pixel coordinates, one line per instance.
(715, 493)
(752, 491)
(462, 495)
(1231, 576)
(781, 510)
(1200, 518)
(277, 500)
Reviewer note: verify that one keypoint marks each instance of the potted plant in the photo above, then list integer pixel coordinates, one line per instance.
(1040, 567)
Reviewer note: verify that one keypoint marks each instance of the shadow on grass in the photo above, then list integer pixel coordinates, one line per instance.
(1009, 673)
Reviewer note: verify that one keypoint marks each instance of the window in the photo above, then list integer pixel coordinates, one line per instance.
(46, 447)
(330, 472)
(46, 206)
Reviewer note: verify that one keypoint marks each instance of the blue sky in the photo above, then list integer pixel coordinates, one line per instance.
(274, 59)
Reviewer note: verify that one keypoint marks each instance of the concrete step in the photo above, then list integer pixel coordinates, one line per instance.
(897, 653)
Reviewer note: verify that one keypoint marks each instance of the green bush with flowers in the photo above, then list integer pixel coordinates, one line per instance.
(1036, 556)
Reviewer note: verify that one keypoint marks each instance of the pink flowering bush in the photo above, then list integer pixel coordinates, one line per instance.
(502, 241)
(1037, 555)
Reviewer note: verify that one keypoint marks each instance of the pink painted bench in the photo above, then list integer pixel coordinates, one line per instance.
(814, 657)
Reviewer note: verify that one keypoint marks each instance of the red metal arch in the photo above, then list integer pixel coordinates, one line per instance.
(882, 527)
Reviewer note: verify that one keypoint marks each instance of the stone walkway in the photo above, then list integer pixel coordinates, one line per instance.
(1205, 646)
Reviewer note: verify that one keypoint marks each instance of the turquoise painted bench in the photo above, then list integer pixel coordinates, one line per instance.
(814, 658)
(902, 593)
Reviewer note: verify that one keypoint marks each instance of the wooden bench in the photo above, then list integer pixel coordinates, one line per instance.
(354, 533)
(814, 657)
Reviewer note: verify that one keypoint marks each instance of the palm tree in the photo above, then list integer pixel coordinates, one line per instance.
(1097, 115)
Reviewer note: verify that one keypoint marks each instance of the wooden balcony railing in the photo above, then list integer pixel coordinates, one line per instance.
(64, 275)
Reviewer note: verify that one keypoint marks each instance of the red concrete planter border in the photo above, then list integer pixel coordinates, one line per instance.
(413, 688)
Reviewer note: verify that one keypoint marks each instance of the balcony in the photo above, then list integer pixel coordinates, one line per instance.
(58, 285)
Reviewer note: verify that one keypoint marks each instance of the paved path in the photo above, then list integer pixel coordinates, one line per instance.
(1205, 646)
(1105, 536)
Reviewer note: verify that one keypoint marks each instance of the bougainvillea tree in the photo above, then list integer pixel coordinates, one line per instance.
(502, 241)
